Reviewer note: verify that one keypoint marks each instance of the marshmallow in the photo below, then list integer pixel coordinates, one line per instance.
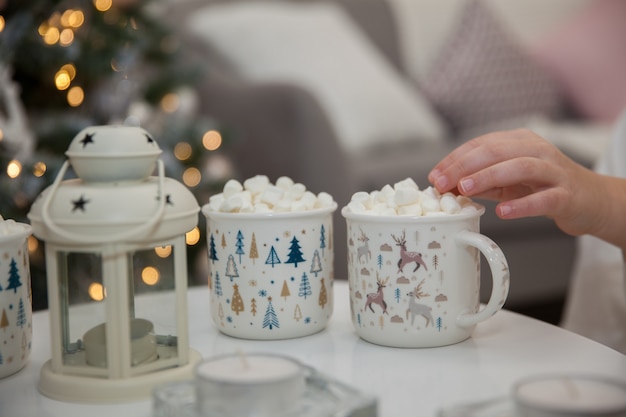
(258, 195)
(406, 199)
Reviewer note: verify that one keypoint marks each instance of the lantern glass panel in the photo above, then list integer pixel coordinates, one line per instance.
(153, 302)
(81, 292)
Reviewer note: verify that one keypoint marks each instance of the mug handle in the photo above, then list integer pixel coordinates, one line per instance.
(499, 275)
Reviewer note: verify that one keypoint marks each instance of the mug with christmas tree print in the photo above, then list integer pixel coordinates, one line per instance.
(270, 273)
(15, 297)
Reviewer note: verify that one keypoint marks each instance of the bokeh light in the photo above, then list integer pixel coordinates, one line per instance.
(75, 96)
(14, 169)
(163, 251)
(212, 140)
(182, 151)
(96, 291)
(150, 275)
(192, 177)
(193, 236)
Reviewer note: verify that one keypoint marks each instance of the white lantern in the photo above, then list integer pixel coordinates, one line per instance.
(113, 237)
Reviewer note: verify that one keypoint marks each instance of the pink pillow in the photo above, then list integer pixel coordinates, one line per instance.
(587, 56)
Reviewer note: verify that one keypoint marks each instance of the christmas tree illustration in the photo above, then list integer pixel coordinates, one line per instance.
(272, 258)
(239, 245)
(316, 263)
(305, 286)
(14, 277)
(223, 241)
(323, 299)
(231, 268)
(322, 238)
(297, 313)
(212, 251)
(218, 285)
(270, 319)
(285, 290)
(236, 303)
(254, 253)
(4, 321)
(21, 315)
(253, 307)
(295, 253)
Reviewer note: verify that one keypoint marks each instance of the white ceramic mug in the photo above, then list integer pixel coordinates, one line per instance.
(270, 274)
(15, 297)
(415, 280)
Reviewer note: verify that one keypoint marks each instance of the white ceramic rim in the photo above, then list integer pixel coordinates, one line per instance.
(70, 222)
(581, 377)
(278, 215)
(404, 218)
(301, 368)
(16, 234)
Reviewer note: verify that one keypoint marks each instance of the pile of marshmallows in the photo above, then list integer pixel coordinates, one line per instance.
(405, 198)
(258, 195)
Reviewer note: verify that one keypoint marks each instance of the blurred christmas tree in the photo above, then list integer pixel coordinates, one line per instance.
(68, 64)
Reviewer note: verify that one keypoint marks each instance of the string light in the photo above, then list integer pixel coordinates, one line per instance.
(163, 251)
(170, 102)
(182, 151)
(66, 37)
(102, 5)
(96, 291)
(193, 236)
(39, 169)
(14, 169)
(150, 275)
(75, 96)
(192, 177)
(212, 140)
(62, 80)
(2, 24)
(33, 244)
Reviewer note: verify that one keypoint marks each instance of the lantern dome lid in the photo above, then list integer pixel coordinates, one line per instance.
(113, 153)
(115, 199)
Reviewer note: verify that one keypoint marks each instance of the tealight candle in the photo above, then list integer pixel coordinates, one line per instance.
(259, 385)
(570, 396)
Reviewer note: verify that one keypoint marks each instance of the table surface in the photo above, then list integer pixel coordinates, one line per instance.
(502, 350)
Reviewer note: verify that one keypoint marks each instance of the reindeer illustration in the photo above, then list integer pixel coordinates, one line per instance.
(363, 250)
(408, 257)
(416, 309)
(377, 297)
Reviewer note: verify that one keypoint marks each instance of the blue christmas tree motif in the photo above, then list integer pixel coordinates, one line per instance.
(272, 258)
(239, 245)
(270, 319)
(0, 358)
(397, 295)
(231, 268)
(218, 285)
(14, 277)
(212, 251)
(295, 253)
(21, 315)
(439, 323)
(305, 286)
(379, 261)
(322, 238)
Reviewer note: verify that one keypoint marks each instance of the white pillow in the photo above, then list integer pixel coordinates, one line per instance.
(318, 47)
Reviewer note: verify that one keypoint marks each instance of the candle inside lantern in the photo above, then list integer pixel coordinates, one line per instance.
(569, 396)
(259, 385)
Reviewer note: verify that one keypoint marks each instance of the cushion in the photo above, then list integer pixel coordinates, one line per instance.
(482, 75)
(587, 55)
(318, 47)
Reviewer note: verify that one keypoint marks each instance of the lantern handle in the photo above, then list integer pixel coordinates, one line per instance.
(125, 235)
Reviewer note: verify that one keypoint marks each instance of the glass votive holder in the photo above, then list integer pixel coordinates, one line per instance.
(175, 399)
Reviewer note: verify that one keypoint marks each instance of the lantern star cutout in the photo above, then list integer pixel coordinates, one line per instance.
(79, 204)
(150, 140)
(87, 139)
(168, 199)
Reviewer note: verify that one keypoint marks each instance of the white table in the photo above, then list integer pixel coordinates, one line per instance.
(406, 382)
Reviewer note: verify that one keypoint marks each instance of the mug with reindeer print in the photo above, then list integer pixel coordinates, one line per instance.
(415, 279)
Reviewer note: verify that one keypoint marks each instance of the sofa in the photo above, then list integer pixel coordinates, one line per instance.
(350, 95)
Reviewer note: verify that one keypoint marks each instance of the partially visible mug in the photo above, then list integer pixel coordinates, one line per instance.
(415, 280)
(15, 297)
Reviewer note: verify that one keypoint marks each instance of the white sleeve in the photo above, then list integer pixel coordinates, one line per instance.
(596, 303)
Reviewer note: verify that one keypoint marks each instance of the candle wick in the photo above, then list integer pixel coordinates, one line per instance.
(244, 359)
